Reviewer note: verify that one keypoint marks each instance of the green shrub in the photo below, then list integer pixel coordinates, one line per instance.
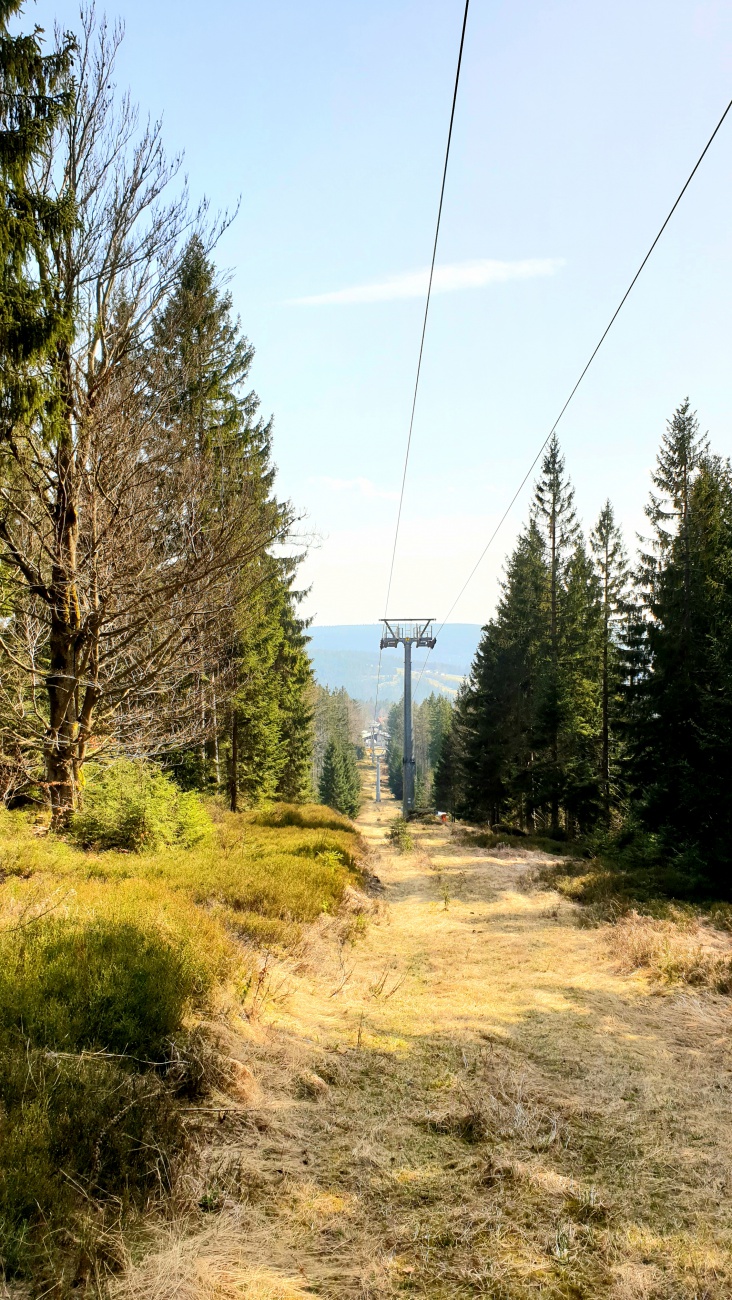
(307, 816)
(74, 1128)
(399, 835)
(133, 805)
(87, 1009)
(287, 887)
(105, 985)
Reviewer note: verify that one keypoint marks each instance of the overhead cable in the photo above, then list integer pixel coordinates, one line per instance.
(603, 336)
(424, 330)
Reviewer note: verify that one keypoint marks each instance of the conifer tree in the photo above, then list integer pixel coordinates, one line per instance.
(613, 573)
(395, 750)
(580, 658)
(498, 713)
(332, 789)
(35, 94)
(339, 781)
(681, 707)
(450, 765)
(554, 512)
(260, 689)
(439, 711)
(527, 726)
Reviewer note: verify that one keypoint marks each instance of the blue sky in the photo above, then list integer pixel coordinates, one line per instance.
(576, 125)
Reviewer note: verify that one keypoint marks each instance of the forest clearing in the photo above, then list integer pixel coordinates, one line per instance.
(456, 1092)
(423, 990)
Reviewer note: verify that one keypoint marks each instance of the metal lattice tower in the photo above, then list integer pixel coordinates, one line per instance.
(408, 632)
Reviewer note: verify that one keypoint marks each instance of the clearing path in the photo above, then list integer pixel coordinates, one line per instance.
(458, 1095)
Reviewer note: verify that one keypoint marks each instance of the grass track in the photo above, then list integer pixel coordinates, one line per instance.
(466, 1097)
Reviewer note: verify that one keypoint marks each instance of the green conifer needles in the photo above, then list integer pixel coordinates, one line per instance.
(340, 784)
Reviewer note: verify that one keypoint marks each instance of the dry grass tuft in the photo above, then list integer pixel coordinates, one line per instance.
(682, 949)
(205, 1266)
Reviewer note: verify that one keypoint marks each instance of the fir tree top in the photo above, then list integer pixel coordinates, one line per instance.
(683, 451)
(554, 500)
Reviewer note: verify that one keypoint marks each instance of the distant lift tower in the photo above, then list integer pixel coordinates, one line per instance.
(408, 632)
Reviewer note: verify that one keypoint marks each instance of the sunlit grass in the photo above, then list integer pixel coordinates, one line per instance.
(108, 962)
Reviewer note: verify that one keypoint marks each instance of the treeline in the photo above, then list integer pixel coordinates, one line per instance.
(148, 604)
(600, 698)
(431, 721)
(338, 723)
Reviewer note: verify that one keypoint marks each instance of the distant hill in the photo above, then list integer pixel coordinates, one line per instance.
(347, 655)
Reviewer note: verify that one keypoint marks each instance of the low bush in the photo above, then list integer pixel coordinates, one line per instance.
(82, 1137)
(88, 1014)
(399, 835)
(307, 816)
(106, 985)
(134, 806)
(286, 886)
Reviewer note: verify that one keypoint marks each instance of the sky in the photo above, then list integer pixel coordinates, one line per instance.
(576, 125)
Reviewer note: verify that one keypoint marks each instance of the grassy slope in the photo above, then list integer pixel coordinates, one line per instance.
(501, 1112)
(124, 953)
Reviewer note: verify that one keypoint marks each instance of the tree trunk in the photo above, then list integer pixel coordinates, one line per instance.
(233, 785)
(217, 765)
(555, 672)
(61, 682)
(605, 725)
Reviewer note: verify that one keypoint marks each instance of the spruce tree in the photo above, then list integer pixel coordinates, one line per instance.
(495, 730)
(580, 684)
(256, 704)
(613, 574)
(448, 781)
(554, 512)
(340, 786)
(395, 750)
(332, 789)
(35, 95)
(681, 706)
(528, 722)
(352, 780)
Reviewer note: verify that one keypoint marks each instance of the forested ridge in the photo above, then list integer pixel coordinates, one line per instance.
(598, 706)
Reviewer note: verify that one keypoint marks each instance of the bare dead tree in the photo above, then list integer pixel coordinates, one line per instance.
(124, 553)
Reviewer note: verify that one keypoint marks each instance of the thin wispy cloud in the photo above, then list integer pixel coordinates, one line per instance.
(363, 486)
(447, 279)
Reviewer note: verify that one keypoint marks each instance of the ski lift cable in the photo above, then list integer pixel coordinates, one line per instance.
(603, 336)
(424, 331)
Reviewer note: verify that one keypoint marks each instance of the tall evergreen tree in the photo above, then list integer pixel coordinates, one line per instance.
(526, 729)
(613, 574)
(555, 513)
(395, 750)
(498, 712)
(339, 781)
(35, 94)
(682, 706)
(259, 692)
(579, 676)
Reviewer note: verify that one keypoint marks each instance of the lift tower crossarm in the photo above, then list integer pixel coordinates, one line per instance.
(408, 632)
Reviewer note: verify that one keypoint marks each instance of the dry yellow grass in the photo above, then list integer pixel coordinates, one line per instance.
(210, 1266)
(683, 949)
(504, 1112)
